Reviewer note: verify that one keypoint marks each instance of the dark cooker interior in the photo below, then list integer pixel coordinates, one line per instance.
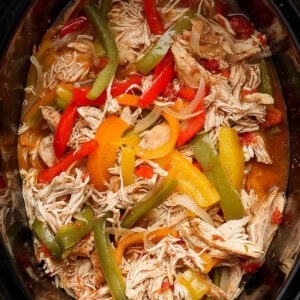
(22, 25)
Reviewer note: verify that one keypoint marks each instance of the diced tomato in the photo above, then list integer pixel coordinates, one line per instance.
(273, 116)
(277, 216)
(212, 65)
(221, 7)
(247, 138)
(170, 93)
(250, 266)
(187, 93)
(165, 286)
(144, 171)
(241, 26)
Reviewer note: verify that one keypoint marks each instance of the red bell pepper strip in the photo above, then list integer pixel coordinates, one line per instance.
(64, 129)
(118, 88)
(159, 84)
(189, 128)
(187, 93)
(85, 149)
(73, 25)
(169, 58)
(152, 16)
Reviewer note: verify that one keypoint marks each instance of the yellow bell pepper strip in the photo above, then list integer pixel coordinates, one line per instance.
(158, 51)
(165, 148)
(108, 261)
(100, 23)
(232, 156)
(85, 149)
(127, 164)
(191, 180)
(195, 284)
(159, 83)
(47, 238)
(266, 81)
(34, 116)
(138, 238)
(65, 95)
(150, 201)
(70, 234)
(208, 158)
(105, 156)
(152, 16)
(128, 99)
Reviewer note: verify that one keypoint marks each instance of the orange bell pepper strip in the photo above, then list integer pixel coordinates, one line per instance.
(85, 149)
(128, 99)
(232, 156)
(165, 148)
(210, 262)
(105, 156)
(191, 180)
(138, 238)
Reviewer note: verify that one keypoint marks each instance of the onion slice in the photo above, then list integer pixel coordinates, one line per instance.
(190, 204)
(146, 122)
(40, 77)
(198, 98)
(179, 115)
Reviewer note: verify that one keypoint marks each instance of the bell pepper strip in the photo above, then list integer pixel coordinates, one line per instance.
(190, 127)
(165, 148)
(265, 76)
(208, 158)
(74, 25)
(158, 51)
(65, 95)
(126, 242)
(187, 93)
(150, 201)
(80, 97)
(105, 36)
(144, 171)
(85, 149)
(47, 238)
(121, 87)
(194, 283)
(127, 164)
(31, 137)
(64, 129)
(232, 156)
(138, 238)
(158, 85)
(169, 58)
(273, 116)
(209, 262)
(105, 156)
(191, 180)
(108, 261)
(152, 17)
(34, 116)
(128, 99)
(70, 234)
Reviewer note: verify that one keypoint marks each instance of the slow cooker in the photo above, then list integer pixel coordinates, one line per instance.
(23, 23)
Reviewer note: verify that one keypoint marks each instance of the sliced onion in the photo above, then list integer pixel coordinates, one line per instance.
(146, 122)
(118, 231)
(258, 56)
(64, 41)
(191, 205)
(198, 98)
(179, 115)
(40, 77)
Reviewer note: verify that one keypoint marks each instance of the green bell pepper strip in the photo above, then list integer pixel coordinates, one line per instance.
(266, 81)
(108, 261)
(208, 158)
(150, 201)
(99, 21)
(47, 238)
(158, 51)
(68, 235)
